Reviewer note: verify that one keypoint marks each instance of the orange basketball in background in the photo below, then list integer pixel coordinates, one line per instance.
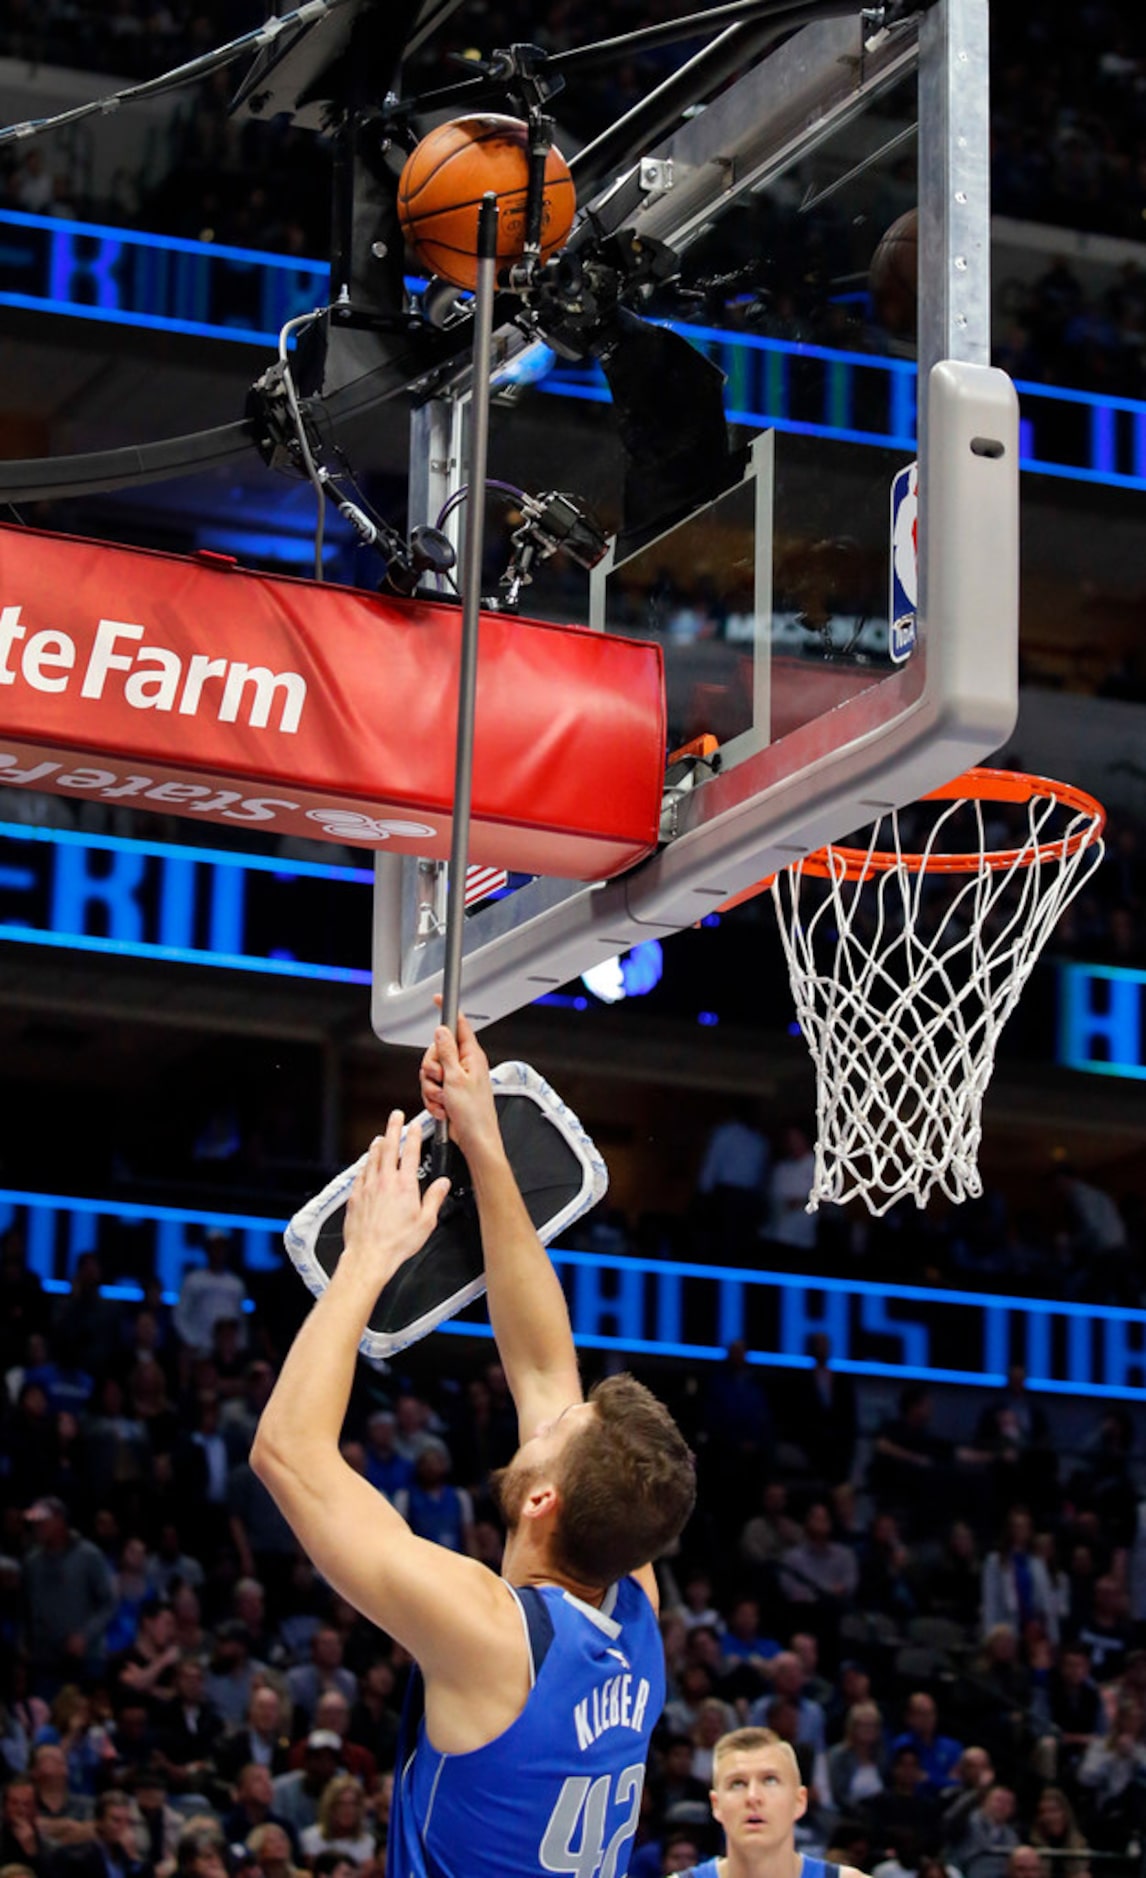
(443, 182)
(893, 277)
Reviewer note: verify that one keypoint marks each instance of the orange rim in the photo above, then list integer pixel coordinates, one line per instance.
(982, 785)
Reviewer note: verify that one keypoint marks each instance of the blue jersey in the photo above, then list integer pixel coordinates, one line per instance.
(809, 1868)
(560, 1789)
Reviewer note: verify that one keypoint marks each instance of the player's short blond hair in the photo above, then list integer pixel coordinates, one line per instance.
(750, 1741)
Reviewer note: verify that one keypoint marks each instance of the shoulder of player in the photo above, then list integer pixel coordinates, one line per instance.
(851, 1871)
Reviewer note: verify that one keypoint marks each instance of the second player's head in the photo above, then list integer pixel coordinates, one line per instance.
(623, 1479)
(757, 1793)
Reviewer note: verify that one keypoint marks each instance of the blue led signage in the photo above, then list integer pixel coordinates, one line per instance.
(1102, 1020)
(128, 278)
(654, 1307)
(86, 270)
(185, 905)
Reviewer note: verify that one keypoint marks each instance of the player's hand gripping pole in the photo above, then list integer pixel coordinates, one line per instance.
(471, 614)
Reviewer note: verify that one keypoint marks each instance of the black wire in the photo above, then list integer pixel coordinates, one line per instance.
(186, 74)
(668, 32)
(509, 491)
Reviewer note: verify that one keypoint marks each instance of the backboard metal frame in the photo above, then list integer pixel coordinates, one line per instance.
(951, 708)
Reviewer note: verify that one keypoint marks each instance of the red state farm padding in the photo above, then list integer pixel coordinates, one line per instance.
(198, 688)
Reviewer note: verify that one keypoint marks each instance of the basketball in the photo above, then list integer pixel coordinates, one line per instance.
(442, 184)
(893, 277)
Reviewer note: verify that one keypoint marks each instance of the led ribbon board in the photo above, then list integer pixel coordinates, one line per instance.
(197, 688)
(640, 1307)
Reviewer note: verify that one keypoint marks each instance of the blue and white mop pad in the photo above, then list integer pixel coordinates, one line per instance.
(557, 1167)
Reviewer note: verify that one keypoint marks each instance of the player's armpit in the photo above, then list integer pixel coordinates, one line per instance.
(451, 1613)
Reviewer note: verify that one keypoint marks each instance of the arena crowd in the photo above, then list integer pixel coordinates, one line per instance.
(951, 1633)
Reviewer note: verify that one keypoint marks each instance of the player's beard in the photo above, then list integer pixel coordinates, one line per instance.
(510, 1487)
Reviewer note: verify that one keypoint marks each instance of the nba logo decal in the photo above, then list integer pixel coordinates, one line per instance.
(904, 599)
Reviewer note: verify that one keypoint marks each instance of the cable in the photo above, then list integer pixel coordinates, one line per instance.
(509, 490)
(315, 475)
(181, 75)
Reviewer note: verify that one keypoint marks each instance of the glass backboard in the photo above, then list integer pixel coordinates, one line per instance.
(844, 626)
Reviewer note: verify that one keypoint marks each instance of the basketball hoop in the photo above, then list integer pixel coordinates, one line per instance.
(904, 977)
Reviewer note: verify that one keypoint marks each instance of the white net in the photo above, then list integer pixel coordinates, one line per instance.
(904, 972)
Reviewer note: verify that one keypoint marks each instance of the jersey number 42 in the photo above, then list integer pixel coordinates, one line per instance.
(574, 1839)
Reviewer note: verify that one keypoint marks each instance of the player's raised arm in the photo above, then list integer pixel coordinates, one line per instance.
(444, 1608)
(526, 1303)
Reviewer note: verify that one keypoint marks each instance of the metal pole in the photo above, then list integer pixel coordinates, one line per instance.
(471, 615)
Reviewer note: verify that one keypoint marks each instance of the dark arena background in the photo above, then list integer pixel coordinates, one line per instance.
(919, 1551)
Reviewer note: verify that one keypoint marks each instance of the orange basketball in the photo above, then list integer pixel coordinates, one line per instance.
(893, 277)
(443, 182)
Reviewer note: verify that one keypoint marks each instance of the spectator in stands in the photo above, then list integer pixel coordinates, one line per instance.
(172, 1564)
(341, 1824)
(326, 1670)
(86, 1333)
(199, 1853)
(272, 1848)
(332, 1716)
(264, 1544)
(698, 1611)
(1104, 1479)
(884, 1583)
(854, 1685)
(739, 1440)
(974, 1776)
(1112, 1773)
(254, 1806)
(263, 1741)
(114, 1850)
(786, 1673)
(1107, 1632)
(954, 1580)
(157, 1825)
(1070, 1701)
(733, 1180)
(936, 1753)
(209, 1292)
(987, 1832)
(232, 1673)
(23, 1305)
(432, 1506)
(62, 1817)
(20, 1839)
(68, 1598)
(297, 1794)
(746, 1655)
(190, 1732)
(824, 1415)
(787, 1220)
(147, 1666)
(1056, 1830)
(911, 1466)
(673, 1782)
(1016, 1586)
(856, 1765)
(818, 1567)
(1012, 1440)
(906, 1806)
(771, 1531)
(374, 1718)
(386, 1469)
(1096, 1226)
(240, 1415)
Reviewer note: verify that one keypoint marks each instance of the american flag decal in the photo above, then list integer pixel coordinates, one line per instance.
(482, 881)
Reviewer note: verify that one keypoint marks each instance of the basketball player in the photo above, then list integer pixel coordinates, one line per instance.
(757, 1796)
(541, 1687)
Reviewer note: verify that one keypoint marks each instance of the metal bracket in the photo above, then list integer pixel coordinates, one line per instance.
(654, 176)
